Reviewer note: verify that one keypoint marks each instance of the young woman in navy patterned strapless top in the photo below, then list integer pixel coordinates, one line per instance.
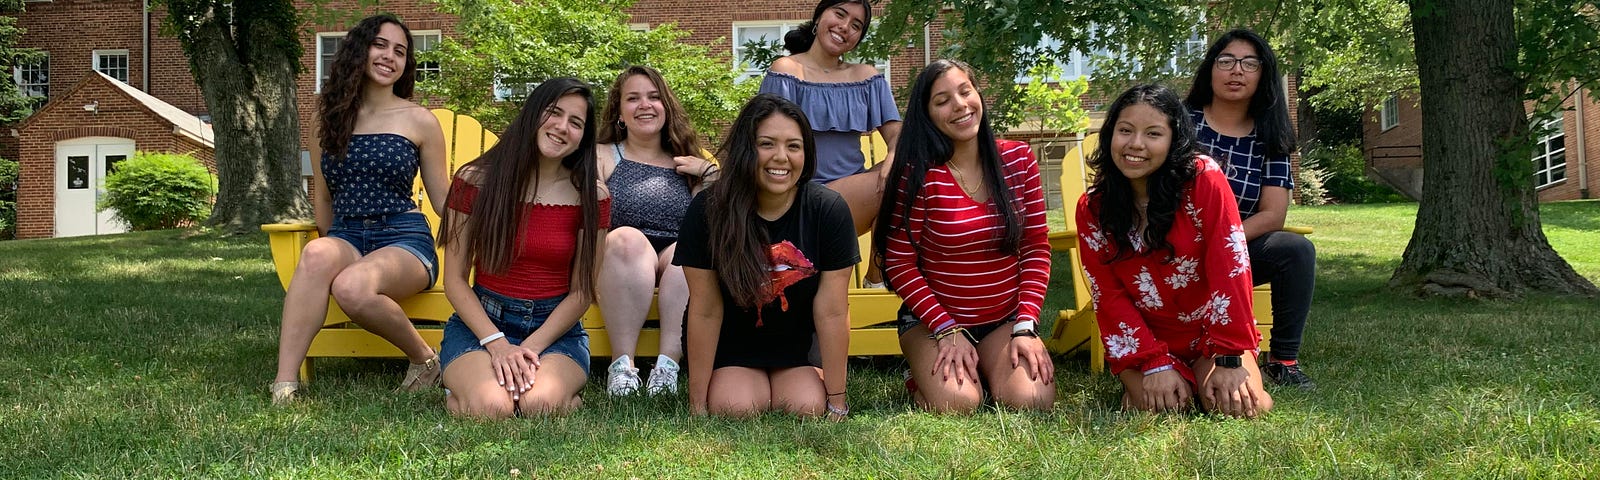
(376, 247)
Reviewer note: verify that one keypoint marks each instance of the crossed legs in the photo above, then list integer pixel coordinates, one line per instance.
(365, 287)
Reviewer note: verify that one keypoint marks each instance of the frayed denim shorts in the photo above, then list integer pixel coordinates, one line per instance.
(517, 318)
(409, 231)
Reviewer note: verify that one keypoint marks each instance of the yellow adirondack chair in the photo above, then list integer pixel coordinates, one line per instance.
(872, 311)
(1075, 327)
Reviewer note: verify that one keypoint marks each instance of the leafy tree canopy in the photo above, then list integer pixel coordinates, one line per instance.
(507, 46)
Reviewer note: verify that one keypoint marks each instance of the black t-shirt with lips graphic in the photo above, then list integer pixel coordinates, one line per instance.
(816, 235)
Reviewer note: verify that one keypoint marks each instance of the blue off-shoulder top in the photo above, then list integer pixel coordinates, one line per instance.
(839, 114)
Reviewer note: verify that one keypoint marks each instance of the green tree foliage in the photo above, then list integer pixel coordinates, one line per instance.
(8, 199)
(517, 44)
(14, 106)
(1049, 102)
(1344, 174)
(159, 190)
(245, 56)
(1003, 39)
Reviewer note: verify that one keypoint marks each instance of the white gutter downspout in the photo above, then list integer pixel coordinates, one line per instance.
(145, 85)
(927, 45)
(1583, 151)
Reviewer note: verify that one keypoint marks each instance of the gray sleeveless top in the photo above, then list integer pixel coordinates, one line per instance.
(649, 198)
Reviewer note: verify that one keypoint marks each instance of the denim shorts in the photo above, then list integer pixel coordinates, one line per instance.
(517, 318)
(908, 320)
(409, 231)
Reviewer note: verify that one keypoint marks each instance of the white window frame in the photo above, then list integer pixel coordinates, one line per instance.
(425, 41)
(23, 87)
(1389, 113)
(784, 26)
(512, 92)
(317, 81)
(127, 62)
(417, 37)
(1545, 158)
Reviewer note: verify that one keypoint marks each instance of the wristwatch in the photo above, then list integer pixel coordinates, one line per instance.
(1025, 333)
(1228, 361)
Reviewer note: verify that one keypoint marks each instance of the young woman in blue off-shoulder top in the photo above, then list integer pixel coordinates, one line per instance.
(842, 100)
(375, 246)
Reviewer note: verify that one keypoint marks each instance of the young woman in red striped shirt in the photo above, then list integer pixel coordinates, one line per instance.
(964, 242)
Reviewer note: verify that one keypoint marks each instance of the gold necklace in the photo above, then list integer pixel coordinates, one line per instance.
(961, 181)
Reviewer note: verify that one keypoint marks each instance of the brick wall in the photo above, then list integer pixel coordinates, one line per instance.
(117, 115)
(71, 30)
(1571, 187)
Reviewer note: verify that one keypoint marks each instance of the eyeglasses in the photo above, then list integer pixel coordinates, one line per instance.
(1250, 64)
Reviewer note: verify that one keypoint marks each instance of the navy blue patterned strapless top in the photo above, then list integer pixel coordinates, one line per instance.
(374, 178)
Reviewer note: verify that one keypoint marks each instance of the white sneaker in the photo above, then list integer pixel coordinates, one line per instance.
(622, 378)
(663, 378)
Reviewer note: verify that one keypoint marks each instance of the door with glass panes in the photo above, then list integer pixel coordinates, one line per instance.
(81, 168)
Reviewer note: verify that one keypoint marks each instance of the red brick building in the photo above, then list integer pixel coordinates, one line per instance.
(1566, 162)
(120, 39)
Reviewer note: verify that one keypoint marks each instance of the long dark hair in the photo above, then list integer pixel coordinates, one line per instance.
(509, 171)
(678, 137)
(799, 40)
(739, 248)
(1112, 197)
(922, 146)
(1269, 107)
(341, 94)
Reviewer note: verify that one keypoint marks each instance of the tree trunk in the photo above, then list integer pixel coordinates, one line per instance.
(250, 93)
(1478, 231)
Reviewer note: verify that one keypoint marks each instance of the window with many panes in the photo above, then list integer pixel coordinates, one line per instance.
(1550, 154)
(113, 63)
(1389, 113)
(771, 34)
(421, 41)
(33, 79)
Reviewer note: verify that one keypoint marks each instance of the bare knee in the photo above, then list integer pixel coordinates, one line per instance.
(629, 245)
(490, 406)
(546, 402)
(957, 401)
(322, 258)
(805, 407)
(736, 407)
(1026, 397)
(353, 292)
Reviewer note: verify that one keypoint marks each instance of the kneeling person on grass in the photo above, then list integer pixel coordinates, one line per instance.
(1166, 263)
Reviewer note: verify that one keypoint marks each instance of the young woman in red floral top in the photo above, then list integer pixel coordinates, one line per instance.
(964, 242)
(530, 216)
(1165, 256)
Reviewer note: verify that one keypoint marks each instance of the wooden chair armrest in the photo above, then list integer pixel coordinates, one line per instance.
(289, 227)
(1063, 241)
(1303, 230)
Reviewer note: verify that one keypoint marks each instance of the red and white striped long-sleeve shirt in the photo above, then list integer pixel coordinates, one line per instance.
(963, 278)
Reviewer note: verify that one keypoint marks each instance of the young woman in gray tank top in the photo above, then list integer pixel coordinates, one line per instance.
(651, 160)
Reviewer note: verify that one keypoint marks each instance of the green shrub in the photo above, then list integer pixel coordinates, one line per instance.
(8, 199)
(1308, 188)
(1346, 174)
(159, 190)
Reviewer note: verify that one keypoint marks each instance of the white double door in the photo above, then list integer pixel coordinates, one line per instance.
(81, 168)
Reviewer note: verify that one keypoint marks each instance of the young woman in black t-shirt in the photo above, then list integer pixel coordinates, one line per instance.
(768, 256)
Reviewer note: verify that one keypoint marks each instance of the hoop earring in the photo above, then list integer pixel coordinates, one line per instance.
(622, 127)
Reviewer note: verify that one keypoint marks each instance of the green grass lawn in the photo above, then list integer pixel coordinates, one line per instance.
(148, 355)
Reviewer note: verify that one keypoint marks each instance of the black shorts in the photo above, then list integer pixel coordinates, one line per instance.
(908, 320)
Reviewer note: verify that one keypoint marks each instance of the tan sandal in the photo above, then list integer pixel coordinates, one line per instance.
(284, 393)
(421, 375)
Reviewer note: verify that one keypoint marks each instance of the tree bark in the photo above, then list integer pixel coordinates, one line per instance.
(1477, 231)
(250, 93)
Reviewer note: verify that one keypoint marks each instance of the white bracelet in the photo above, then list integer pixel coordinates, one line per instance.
(1156, 370)
(495, 336)
(1022, 325)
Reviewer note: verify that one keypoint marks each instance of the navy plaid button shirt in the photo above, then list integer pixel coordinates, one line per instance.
(1247, 170)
